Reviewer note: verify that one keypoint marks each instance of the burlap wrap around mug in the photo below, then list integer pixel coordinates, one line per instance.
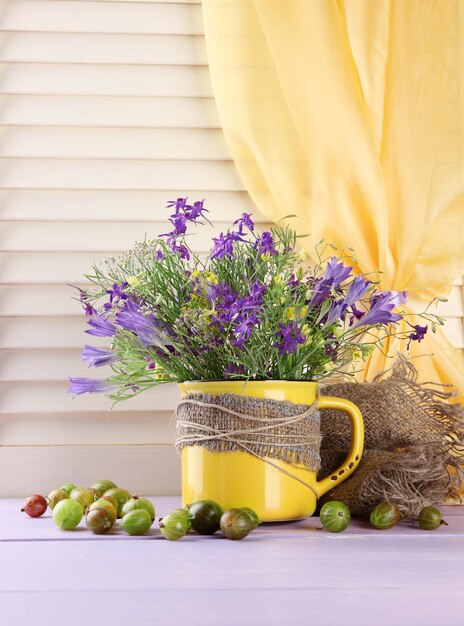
(263, 427)
(413, 436)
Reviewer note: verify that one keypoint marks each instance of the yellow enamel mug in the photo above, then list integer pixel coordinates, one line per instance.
(235, 479)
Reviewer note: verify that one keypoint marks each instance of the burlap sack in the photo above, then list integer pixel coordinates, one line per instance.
(413, 436)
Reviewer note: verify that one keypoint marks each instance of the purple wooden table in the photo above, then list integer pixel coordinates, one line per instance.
(281, 574)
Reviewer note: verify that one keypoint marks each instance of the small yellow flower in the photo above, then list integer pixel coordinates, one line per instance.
(328, 367)
(212, 278)
(133, 281)
(195, 273)
(290, 313)
(303, 311)
(277, 280)
(338, 331)
(282, 300)
(356, 355)
(266, 256)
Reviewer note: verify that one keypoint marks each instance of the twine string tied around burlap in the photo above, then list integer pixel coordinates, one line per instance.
(266, 429)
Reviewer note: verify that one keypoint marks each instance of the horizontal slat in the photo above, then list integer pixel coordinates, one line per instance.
(43, 332)
(101, 236)
(45, 267)
(129, 174)
(100, 111)
(134, 205)
(80, 428)
(48, 365)
(53, 300)
(113, 143)
(95, 48)
(100, 17)
(141, 469)
(105, 80)
(44, 397)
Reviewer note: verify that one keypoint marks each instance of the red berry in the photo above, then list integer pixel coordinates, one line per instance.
(35, 506)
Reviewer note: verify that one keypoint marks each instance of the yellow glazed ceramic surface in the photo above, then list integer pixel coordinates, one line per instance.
(239, 479)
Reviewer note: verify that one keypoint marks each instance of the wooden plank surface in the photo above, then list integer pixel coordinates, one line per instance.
(282, 573)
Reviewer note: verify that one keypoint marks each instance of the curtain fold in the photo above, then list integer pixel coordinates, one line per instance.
(350, 115)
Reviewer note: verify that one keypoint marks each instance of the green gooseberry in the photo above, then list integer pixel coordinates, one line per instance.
(67, 514)
(99, 520)
(104, 504)
(139, 503)
(335, 516)
(136, 522)
(120, 495)
(83, 496)
(56, 496)
(430, 518)
(205, 516)
(103, 485)
(113, 501)
(236, 524)
(254, 516)
(385, 515)
(175, 525)
(68, 487)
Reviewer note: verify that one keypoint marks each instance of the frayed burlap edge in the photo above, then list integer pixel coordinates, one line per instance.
(412, 479)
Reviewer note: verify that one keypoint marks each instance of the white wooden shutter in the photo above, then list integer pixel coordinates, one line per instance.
(106, 113)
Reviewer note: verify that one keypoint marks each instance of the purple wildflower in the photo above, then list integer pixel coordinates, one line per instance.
(97, 357)
(234, 370)
(293, 282)
(182, 250)
(224, 245)
(83, 297)
(336, 273)
(101, 327)
(335, 312)
(357, 289)
(245, 221)
(117, 291)
(265, 244)
(418, 334)
(178, 204)
(195, 211)
(150, 363)
(79, 386)
(243, 330)
(382, 305)
(289, 337)
(159, 255)
(145, 326)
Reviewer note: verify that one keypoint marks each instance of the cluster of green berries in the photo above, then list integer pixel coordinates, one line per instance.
(335, 516)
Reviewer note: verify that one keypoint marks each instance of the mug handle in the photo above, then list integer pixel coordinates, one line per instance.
(357, 443)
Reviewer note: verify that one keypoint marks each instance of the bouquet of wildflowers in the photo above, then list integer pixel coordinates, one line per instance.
(252, 310)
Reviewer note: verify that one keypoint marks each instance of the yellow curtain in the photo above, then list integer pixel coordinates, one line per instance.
(350, 114)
